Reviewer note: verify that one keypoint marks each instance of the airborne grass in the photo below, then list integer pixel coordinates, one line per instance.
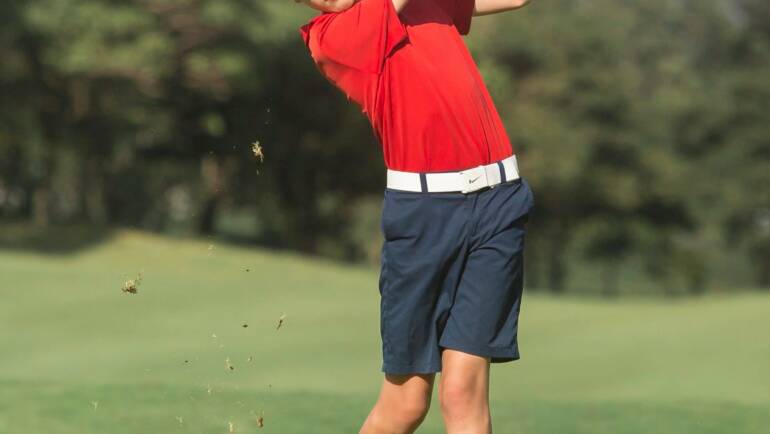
(77, 355)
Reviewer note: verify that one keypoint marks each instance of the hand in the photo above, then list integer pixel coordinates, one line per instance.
(488, 7)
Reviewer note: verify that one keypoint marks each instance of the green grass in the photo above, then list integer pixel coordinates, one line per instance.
(70, 338)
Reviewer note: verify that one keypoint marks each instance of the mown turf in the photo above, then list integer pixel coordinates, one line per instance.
(79, 356)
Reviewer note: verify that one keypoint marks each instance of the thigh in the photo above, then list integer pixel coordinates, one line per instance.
(483, 319)
(398, 390)
(468, 371)
(421, 255)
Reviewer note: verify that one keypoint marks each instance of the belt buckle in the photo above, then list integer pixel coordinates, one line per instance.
(474, 179)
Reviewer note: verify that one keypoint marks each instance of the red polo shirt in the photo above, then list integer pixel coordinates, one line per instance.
(415, 80)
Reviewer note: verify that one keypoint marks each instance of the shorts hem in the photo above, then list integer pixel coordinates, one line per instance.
(396, 369)
(496, 355)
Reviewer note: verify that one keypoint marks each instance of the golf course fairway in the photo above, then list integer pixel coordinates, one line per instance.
(199, 349)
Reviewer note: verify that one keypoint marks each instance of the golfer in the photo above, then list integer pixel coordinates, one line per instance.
(454, 208)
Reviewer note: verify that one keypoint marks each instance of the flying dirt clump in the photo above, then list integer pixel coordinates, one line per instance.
(259, 418)
(256, 148)
(280, 321)
(132, 285)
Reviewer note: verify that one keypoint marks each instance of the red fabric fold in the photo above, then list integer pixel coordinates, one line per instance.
(463, 15)
(361, 37)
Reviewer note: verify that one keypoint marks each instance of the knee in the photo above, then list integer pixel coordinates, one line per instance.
(402, 415)
(412, 411)
(460, 398)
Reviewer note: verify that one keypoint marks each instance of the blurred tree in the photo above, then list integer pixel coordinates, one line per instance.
(642, 126)
(620, 111)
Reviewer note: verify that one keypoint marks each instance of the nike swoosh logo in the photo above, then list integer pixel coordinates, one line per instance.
(471, 181)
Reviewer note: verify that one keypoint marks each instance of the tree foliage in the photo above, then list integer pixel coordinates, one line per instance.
(642, 126)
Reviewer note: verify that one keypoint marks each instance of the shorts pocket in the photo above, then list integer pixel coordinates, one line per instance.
(530, 197)
(406, 215)
(395, 209)
(522, 203)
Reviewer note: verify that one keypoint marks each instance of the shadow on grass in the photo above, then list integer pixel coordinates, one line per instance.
(55, 239)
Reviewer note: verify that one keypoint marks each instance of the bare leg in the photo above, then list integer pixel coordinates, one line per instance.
(464, 393)
(402, 405)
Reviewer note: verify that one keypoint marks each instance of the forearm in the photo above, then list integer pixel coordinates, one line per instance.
(341, 5)
(329, 5)
(486, 7)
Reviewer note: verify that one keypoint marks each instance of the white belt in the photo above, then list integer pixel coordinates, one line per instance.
(464, 181)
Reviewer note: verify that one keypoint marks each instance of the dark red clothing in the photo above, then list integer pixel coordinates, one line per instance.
(415, 80)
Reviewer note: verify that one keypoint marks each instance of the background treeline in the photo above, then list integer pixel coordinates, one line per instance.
(643, 127)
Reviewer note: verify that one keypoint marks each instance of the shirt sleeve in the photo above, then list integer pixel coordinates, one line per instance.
(361, 37)
(462, 15)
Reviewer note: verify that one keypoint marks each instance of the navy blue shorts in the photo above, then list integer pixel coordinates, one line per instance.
(451, 276)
